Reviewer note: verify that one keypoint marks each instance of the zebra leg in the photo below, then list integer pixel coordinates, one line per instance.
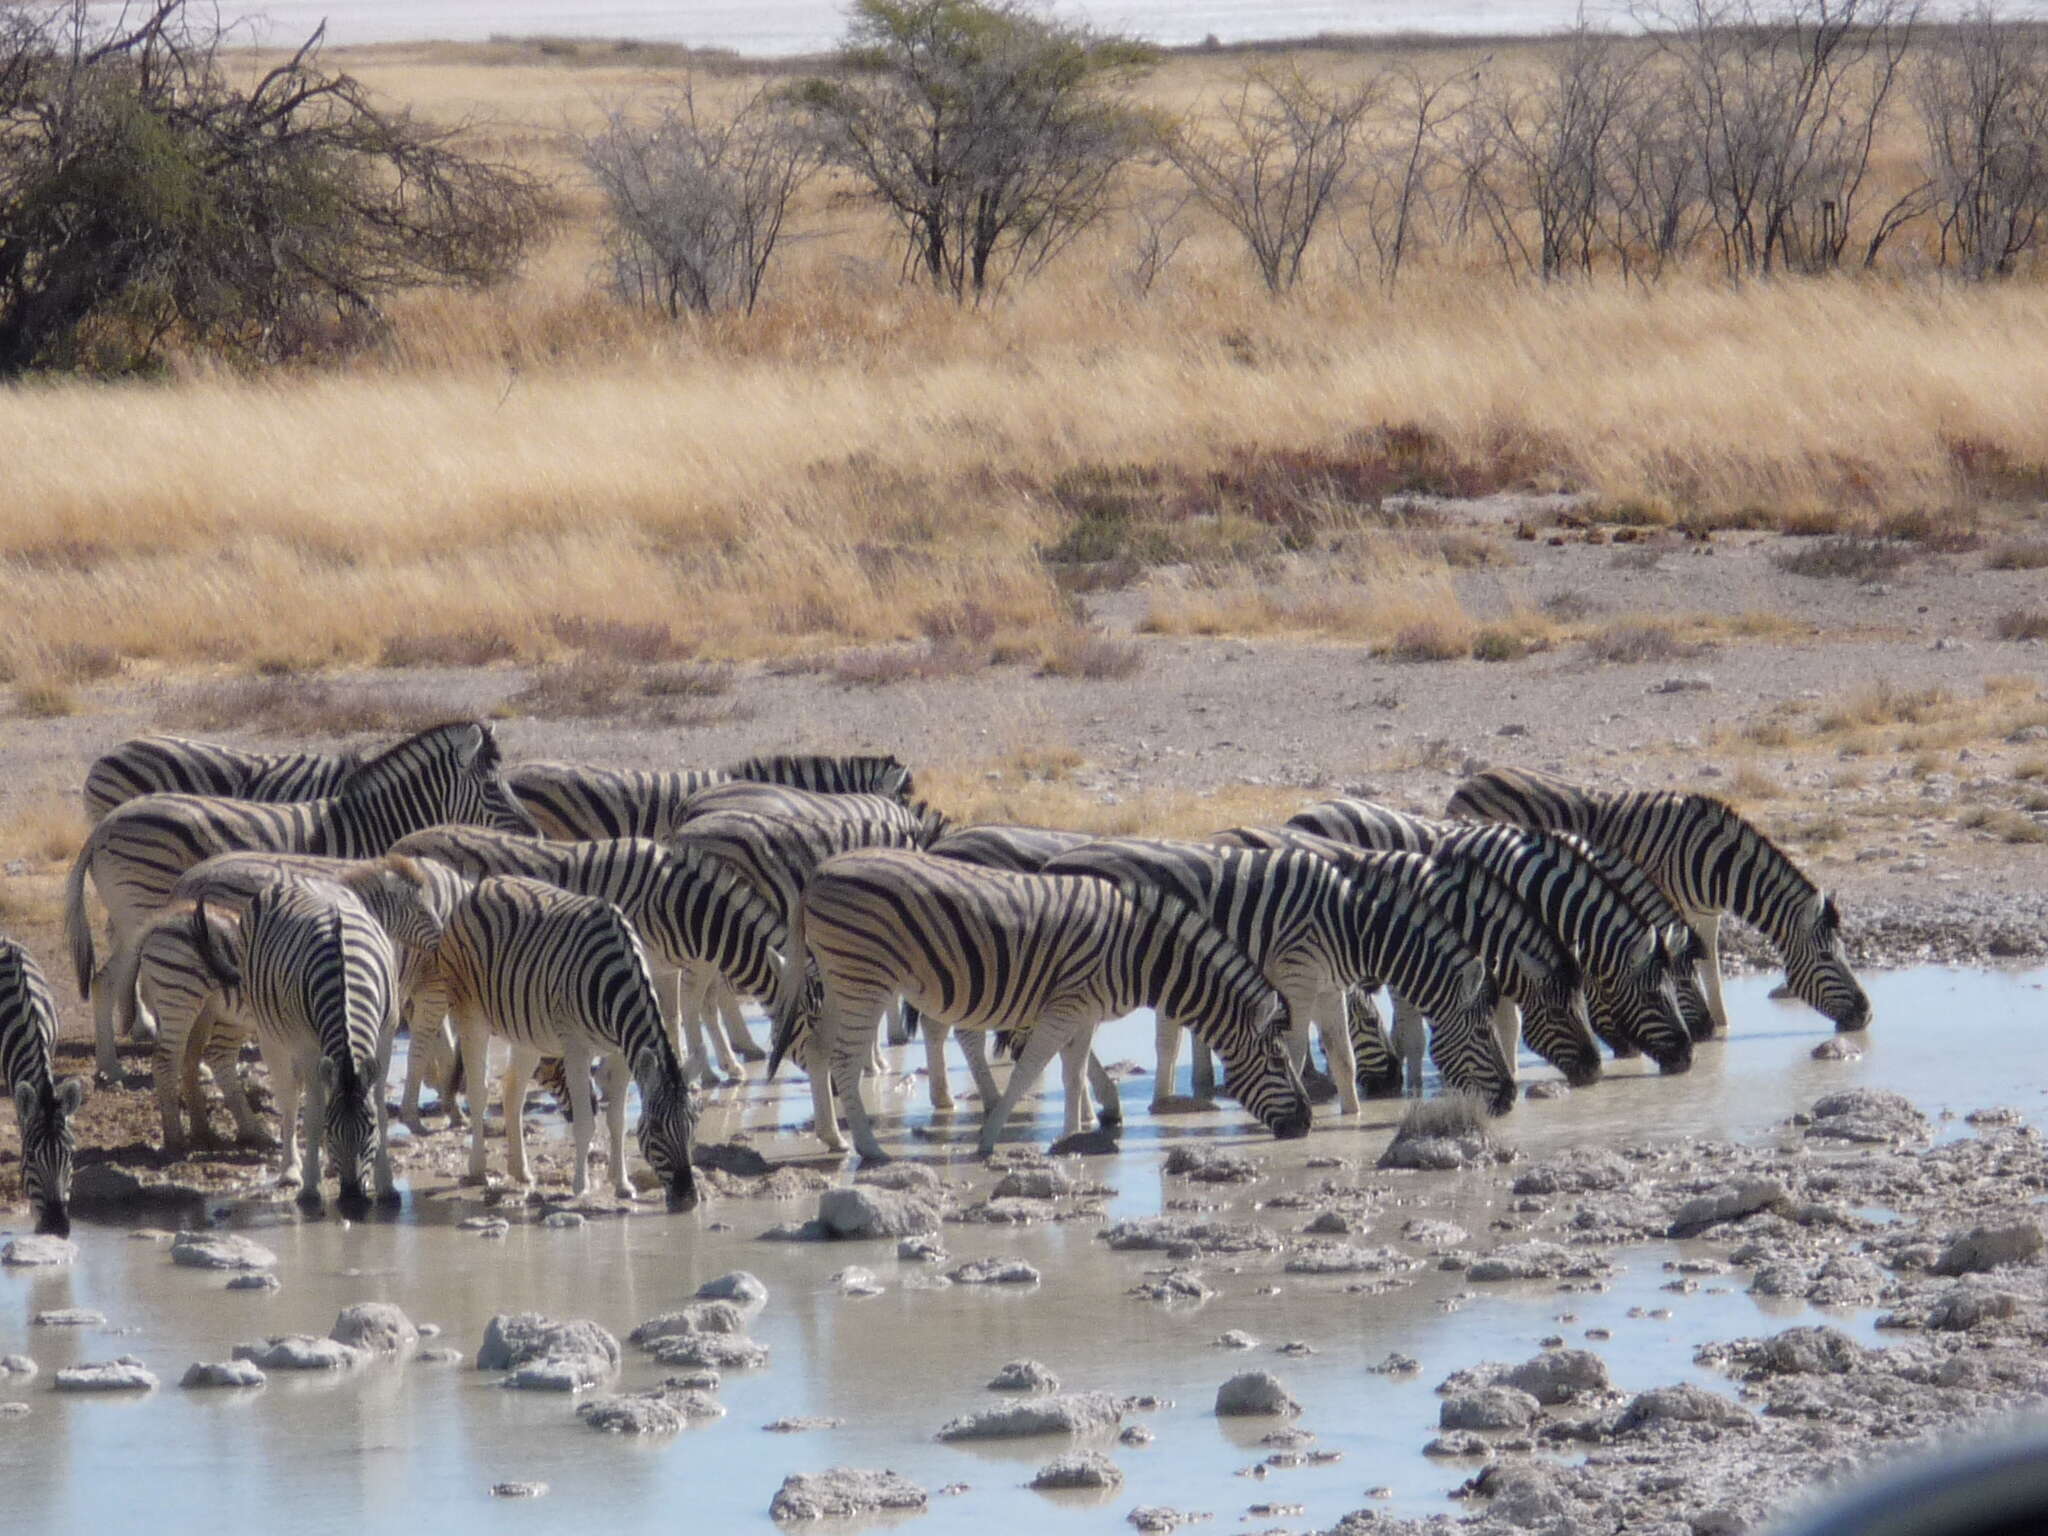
(314, 1121)
(1074, 1084)
(221, 1049)
(386, 1184)
(1336, 1032)
(617, 1077)
(1041, 1044)
(1376, 1069)
(1201, 1070)
(692, 1011)
(1411, 1036)
(476, 1065)
(283, 1067)
(1708, 926)
(512, 1098)
(974, 1047)
(935, 1064)
(1166, 1039)
(818, 1063)
(853, 1026)
(1507, 1030)
(737, 1035)
(582, 1115)
(711, 1021)
(1108, 1098)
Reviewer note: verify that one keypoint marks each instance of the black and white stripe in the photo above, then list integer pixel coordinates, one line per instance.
(175, 765)
(1021, 850)
(448, 773)
(43, 1104)
(1628, 963)
(314, 974)
(1709, 860)
(1540, 982)
(698, 920)
(780, 800)
(1046, 957)
(577, 802)
(558, 974)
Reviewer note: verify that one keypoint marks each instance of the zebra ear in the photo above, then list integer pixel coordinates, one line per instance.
(330, 1075)
(1829, 921)
(646, 1064)
(70, 1094)
(472, 753)
(24, 1100)
(1646, 950)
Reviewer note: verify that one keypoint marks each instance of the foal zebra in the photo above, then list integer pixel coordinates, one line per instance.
(563, 975)
(576, 803)
(43, 1104)
(449, 773)
(174, 765)
(698, 919)
(1047, 957)
(313, 972)
(1629, 969)
(1536, 973)
(1709, 860)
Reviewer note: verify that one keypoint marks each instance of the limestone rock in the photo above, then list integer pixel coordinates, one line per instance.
(375, 1327)
(513, 1339)
(38, 1252)
(68, 1317)
(1559, 1376)
(1254, 1392)
(124, 1373)
(1987, 1247)
(842, 1493)
(993, 1272)
(1024, 1376)
(1681, 1404)
(713, 1351)
(738, 1287)
(864, 1211)
(1489, 1408)
(220, 1250)
(696, 1317)
(222, 1373)
(1730, 1202)
(300, 1352)
(1069, 1413)
(1079, 1469)
(1047, 1183)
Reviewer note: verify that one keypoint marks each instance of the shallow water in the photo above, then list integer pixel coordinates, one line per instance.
(424, 1443)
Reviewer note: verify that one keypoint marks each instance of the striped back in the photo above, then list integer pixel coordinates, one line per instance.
(564, 974)
(1524, 798)
(778, 855)
(160, 765)
(1363, 824)
(811, 805)
(1022, 850)
(409, 899)
(315, 968)
(988, 949)
(830, 774)
(43, 1106)
(572, 802)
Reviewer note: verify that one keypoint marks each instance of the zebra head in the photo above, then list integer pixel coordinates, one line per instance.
(480, 794)
(47, 1140)
(1465, 1047)
(1554, 1023)
(351, 1130)
(1258, 1072)
(667, 1120)
(408, 903)
(1818, 972)
(1637, 1006)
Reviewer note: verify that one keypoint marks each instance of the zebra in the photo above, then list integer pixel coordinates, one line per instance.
(808, 805)
(561, 974)
(577, 803)
(153, 765)
(451, 772)
(1629, 967)
(314, 973)
(1537, 974)
(43, 1102)
(697, 918)
(1049, 957)
(410, 900)
(1709, 860)
(1021, 850)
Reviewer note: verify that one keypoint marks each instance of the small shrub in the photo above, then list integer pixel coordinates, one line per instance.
(446, 648)
(1463, 550)
(2023, 555)
(2022, 624)
(619, 640)
(1089, 653)
(1507, 642)
(1449, 1115)
(1823, 830)
(583, 688)
(1771, 733)
(1639, 640)
(1633, 512)
(1431, 640)
(2006, 825)
(1571, 607)
(967, 621)
(1813, 522)
(1843, 559)
(78, 662)
(1952, 532)
(883, 665)
(1640, 558)
(1752, 783)
(2031, 768)
(288, 706)
(45, 699)
(688, 680)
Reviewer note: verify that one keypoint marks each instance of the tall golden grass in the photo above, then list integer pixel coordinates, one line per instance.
(858, 453)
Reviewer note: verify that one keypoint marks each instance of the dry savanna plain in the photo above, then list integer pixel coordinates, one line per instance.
(1122, 549)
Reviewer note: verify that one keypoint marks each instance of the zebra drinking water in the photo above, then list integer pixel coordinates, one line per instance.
(43, 1102)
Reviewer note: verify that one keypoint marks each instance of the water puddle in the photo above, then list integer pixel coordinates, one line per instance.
(422, 1444)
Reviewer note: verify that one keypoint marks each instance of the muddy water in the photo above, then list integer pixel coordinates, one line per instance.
(424, 1443)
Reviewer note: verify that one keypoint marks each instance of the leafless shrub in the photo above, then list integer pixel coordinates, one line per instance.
(446, 648)
(76, 661)
(1570, 607)
(687, 680)
(2021, 555)
(2022, 624)
(1431, 640)
(696, 206)
(1401, 162)
(45, 699)
(1282, 159)
(296, 706)
(1158, 234)
(1982, 100)
(1636, 640)
(881, 666)
(619, 640)
(586, 687)
(1091, 654)
(1846, 558)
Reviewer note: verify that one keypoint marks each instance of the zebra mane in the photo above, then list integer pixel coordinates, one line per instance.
(1190, 927)
(1747, 832)
(430, 742)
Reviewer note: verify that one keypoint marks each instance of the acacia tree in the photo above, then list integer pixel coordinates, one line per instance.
(990, 132)
(1281, 159)
(696, 205)
(144, 193)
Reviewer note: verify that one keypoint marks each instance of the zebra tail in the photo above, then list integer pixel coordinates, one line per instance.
(124, 965)
(222, 965)
(77, 930)
(789, 990)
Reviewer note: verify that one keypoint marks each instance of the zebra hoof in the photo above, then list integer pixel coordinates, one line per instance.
(752, 1053)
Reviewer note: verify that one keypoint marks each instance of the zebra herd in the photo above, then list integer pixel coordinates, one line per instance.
(310, 903)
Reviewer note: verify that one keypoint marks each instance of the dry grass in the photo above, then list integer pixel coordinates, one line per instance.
(2008, 826)
(1640, 640)
(2022, 624)
(296, 706)
(2019, 555)
(1090, 654)
(1843, 559)
(858, 453)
